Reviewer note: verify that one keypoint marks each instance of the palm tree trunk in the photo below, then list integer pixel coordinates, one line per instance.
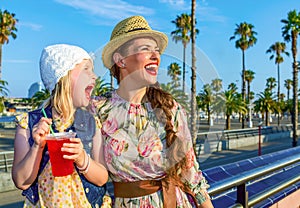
(193, 78)
(278, 93)
(183, 70)
(208, 115)
(0, 61)
(295, 88)
(243, 86)
(267, 118)
(248, 100)
(228, 122)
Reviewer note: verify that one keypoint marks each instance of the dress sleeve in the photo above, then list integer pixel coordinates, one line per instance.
(192, 177)
(22, 120)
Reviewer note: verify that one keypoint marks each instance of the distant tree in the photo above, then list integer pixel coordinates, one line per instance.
(216, 85)
(177, 94)
(174, 71)
(205, 99)
(233, 104)
(3, 92)
(265, 104)
(288, 83)
(277, 49)
(182, 33)
(271, 83)
(7, 29)
(290, 32)
(246, 39)
(101, 87)
(232, 87)
(249, 76)
(39, 98)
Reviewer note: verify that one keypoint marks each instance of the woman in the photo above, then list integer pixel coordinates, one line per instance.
(67, 72)
(147, 144)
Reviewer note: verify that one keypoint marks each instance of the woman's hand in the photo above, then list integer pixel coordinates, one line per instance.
(75, 151)
(40, 130)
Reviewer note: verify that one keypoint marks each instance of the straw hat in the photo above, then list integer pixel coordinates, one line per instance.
(128, 29)
(56, 60)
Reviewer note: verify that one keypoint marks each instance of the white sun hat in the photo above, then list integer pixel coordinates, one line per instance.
(56, 60)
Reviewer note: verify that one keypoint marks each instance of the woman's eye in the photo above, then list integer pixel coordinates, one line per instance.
(145, 49)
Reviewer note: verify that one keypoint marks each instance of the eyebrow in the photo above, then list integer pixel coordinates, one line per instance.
(140, 46)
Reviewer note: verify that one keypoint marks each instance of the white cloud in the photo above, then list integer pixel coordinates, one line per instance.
(209, 14)
(30, 25)
(109, 9)
(174, 3)
(203, 11)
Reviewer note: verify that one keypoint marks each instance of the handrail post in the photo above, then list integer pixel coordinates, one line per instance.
(5, 162)
(242, 195)
(259, 140)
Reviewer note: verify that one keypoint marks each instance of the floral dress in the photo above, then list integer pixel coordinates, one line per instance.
(66, 191)
(135, 149)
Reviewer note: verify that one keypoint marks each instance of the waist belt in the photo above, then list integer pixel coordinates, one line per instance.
(143, 188)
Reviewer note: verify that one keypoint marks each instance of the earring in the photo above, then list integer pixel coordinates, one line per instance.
(123, 65)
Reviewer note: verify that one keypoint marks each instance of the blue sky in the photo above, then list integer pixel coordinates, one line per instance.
(88, 23)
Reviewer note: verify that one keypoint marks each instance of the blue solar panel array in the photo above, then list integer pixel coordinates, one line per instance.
(229, 198)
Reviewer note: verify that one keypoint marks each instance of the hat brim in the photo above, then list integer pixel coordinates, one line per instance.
(107, 53)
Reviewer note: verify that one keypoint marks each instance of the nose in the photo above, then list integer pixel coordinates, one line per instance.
(155, 54)
(94, 76)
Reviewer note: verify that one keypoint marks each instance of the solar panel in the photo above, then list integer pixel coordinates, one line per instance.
(219, 173)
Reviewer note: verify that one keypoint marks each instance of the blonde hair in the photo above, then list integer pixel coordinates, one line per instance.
(61, 98)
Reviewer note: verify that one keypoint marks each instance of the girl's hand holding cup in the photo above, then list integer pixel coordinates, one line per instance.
(40, 131)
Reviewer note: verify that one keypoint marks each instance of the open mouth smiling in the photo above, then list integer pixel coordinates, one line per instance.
(151, 68)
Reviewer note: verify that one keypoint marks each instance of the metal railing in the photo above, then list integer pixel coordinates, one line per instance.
(6, 160)
(241, 180)
(240, 133)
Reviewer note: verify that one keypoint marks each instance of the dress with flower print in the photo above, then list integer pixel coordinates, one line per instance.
(135, 149)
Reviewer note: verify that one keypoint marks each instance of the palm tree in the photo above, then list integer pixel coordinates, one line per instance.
(265, 104)
(216, 85)
(174, 71)
(277, 49)
(193, 77)
(205, 99)
(233, 103)
(271, 83)
(246, 39)
(3, 92)
(290, 32)
(232, 86)
(7, 29)
(101, 87)
(249, 76)
(39, 97)
(288, 83)
(183, 34)
(177, 94)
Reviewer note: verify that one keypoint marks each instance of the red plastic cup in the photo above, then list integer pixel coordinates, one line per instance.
(60, 166)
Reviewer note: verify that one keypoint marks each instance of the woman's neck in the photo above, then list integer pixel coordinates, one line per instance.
(132, 95)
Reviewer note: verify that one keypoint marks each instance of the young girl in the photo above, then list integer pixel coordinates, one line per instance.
(67, 72)
(147, 145)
